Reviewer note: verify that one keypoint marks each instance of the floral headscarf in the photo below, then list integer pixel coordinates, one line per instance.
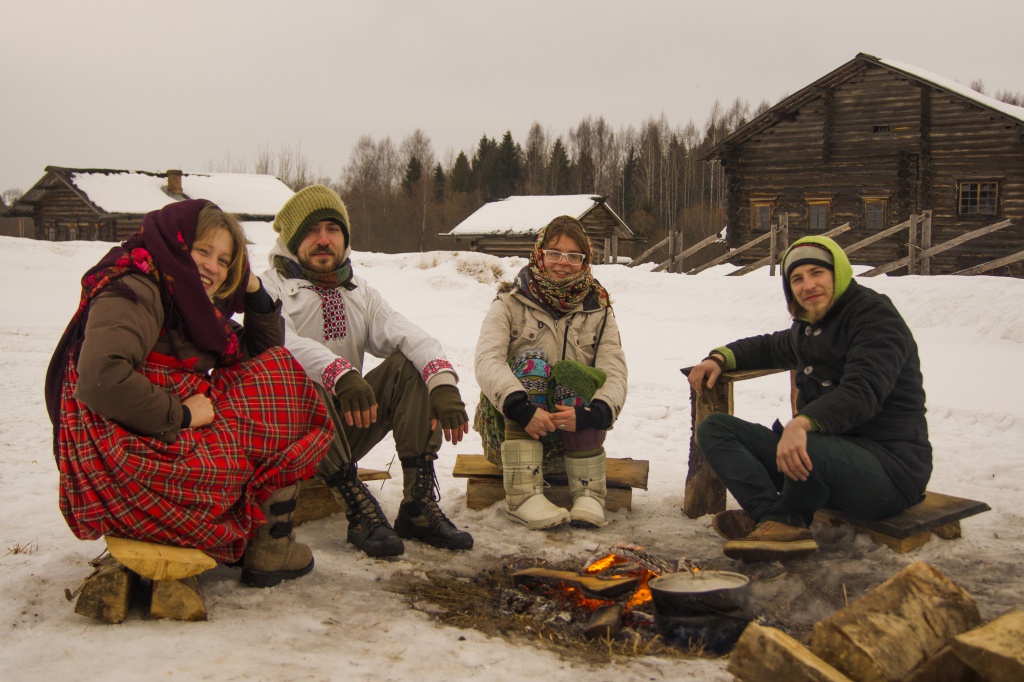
(559, 295)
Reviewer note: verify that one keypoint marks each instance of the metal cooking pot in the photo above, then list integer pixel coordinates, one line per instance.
(700, 593)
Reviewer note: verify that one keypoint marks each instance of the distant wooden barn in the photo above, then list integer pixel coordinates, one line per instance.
(509, 227)
(871, 143)
(107, 205)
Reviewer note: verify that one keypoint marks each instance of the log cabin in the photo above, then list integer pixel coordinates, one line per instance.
(872, 143)
(94, 204)
(509, 227)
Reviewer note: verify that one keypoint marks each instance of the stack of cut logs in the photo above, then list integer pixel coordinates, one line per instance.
(918, 626)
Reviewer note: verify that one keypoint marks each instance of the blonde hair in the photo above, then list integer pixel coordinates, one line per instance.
(212, 218)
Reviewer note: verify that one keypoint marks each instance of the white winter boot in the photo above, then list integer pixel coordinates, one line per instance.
(525, 503)
(588, 487)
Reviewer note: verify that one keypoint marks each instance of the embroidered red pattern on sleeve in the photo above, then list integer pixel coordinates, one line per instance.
(435, 366)
(333, 371)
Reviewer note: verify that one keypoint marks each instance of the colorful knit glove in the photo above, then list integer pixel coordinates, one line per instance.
(353, 393)
(447, 407)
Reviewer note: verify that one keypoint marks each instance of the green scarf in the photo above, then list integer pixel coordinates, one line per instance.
(342, 277)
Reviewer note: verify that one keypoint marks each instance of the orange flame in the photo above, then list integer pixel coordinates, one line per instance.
(605, 563)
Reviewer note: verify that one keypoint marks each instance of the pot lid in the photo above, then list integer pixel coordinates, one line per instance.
(701, 581)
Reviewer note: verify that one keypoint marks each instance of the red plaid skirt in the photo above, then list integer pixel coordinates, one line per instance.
(203, 491)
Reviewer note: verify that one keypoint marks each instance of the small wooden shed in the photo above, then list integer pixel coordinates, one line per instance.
(107, 205)
(509, 227)
(871, 143)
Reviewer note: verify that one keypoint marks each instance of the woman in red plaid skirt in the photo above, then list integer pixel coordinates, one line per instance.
(172, 423)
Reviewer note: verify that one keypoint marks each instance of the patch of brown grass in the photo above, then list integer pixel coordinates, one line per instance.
(481, 603)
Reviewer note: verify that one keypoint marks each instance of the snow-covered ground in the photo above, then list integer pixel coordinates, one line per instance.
(345, 621)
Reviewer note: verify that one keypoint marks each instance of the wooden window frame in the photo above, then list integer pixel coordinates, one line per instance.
(883, 202)
(755, 206)
(962, 187)
(813, 203)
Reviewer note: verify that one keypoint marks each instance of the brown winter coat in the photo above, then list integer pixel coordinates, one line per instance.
(121, 333)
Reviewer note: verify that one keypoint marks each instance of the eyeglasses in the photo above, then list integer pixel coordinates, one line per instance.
(552, 256)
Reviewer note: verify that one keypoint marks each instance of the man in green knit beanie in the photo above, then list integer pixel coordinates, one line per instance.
(333, 319)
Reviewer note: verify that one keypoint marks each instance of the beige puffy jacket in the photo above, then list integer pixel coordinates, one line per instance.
(514, 323)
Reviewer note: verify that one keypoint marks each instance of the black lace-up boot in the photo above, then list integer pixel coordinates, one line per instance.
(420, 517)
(368, 528)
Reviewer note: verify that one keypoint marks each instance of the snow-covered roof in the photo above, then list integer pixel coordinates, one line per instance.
(524, 215)
(956, 88)
(135, 192)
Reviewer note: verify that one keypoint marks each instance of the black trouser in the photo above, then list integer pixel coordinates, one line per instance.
(844, 476)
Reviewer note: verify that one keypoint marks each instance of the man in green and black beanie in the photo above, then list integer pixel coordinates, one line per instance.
(859, 439)
(333, 319)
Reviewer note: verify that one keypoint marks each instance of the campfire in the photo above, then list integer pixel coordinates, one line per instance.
(622, 601)
(613, 586)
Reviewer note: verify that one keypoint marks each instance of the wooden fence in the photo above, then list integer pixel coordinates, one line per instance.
(918, 240)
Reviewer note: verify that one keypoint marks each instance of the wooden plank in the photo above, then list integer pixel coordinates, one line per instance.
(620, 472)
(639, 259)
(934, 511)
(678, 259)
(726, 256)
(889, 632)
(995, 650)
(768, 259)
(158, 562)
(177, 600)
(605, 623)
(933, 251)
(856, 246)
(481, 493)
(607, 588)
(107, 593)
(703, 492)
(992, 264)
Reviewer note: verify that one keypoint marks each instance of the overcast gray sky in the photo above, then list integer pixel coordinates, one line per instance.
(145, 85)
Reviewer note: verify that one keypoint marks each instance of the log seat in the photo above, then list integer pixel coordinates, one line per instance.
(936, 514)
(484, 485)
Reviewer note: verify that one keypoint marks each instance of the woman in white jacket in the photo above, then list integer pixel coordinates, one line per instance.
(553, 377)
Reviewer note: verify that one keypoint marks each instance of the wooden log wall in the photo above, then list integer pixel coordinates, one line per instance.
(879, 135)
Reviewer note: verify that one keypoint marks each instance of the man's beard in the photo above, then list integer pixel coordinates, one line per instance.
(331, 266)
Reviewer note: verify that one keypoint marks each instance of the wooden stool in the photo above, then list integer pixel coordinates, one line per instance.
(936, 513)
(485, 484)
(175, 590)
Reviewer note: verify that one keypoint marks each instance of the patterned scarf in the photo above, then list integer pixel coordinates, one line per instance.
(560, 296)
(342, 277)
(162, 251)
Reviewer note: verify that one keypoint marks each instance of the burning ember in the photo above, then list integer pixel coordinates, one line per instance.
(613, 586)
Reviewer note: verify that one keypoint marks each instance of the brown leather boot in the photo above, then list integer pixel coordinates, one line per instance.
(274, 555)
(772, 540)
(733, 524)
